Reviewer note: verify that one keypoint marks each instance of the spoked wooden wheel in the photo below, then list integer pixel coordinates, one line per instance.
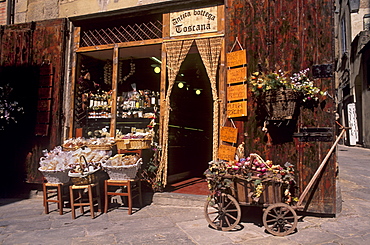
(222, 212)
(280, 219)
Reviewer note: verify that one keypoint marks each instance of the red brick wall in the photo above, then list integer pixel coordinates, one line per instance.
(3, 13)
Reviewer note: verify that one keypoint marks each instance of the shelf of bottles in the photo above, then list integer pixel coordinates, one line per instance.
(137, 104)
(99, 105)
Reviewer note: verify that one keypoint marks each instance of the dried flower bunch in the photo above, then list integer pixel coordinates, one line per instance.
(299, 82)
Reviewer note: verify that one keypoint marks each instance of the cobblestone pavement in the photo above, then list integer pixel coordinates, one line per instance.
(22, 221)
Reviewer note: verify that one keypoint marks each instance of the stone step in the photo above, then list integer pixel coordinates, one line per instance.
(178, 199)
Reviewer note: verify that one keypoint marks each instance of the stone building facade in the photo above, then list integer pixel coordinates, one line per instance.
(352, 68)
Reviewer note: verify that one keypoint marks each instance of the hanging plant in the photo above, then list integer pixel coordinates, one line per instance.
(298, 82)
(283, 95)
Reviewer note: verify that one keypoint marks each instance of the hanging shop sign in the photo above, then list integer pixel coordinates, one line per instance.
(229, 134)
(194, 21)
(237, 92)
(237, 75)
(226, 152)
(237, 58)
(237, 109)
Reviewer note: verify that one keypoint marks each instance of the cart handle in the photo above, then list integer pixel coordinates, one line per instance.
(319, 169)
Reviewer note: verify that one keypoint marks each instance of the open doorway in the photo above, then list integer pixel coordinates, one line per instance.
(190, 125)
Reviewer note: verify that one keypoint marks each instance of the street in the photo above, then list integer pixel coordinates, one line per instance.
(22, 221)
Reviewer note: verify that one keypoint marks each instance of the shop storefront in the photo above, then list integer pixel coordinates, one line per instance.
(157, 75)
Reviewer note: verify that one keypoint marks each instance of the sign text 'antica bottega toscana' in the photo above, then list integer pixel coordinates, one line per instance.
(194, 21)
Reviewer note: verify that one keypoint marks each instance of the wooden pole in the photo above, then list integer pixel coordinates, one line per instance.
(319, 169)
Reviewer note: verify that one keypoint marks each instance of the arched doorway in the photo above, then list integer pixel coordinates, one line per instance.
(190, 123)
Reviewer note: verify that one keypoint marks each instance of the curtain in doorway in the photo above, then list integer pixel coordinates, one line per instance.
(176, 54)
(209, 50)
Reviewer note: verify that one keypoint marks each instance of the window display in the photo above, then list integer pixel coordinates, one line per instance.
(137, 97)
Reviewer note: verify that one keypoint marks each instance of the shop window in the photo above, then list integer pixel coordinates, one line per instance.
(137, 92)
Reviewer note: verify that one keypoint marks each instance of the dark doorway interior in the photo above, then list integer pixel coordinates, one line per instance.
(17, 124)
(190, 130)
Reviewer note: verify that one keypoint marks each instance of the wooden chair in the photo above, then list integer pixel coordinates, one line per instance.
(129, 185)
(92, 197)
(50, 191)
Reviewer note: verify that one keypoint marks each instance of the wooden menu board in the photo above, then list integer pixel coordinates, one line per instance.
(229, 134)
(237, 75)
(237, 58)
(237, 109)
(237, 92)
(226, 152)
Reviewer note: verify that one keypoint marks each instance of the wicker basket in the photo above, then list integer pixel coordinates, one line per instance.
(100, 147)
(124, 144)
(282, 104)
(124, 172)
(85, 178)
(55, 177)
(71, 148)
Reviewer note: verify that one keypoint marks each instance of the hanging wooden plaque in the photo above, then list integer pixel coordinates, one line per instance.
(237, 109)
(237, 92)
(237, 58)
(229, 134)
(226, 152)
(236, 75)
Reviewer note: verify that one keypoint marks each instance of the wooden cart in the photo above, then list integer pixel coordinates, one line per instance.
(222, 210)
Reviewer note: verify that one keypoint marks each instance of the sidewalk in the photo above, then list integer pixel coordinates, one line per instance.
(181, 220)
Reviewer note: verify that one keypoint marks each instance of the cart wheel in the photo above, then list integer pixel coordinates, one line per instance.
(280, 219)
(222, 212)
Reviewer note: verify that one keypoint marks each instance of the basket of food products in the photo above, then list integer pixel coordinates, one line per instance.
(73, 144)
(134, 141)
(54, 165)
(122, 167)
(103, 144)
(84, 173)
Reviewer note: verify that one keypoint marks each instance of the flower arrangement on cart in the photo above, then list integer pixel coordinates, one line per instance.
(251, 181)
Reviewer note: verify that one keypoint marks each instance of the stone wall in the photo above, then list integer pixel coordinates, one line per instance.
(357, 18)
(35, 10)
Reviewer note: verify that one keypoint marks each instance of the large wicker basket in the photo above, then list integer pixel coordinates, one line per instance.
(124, 144)
(55, 177)
(85, 178)
(282, 104)
(124, 172)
